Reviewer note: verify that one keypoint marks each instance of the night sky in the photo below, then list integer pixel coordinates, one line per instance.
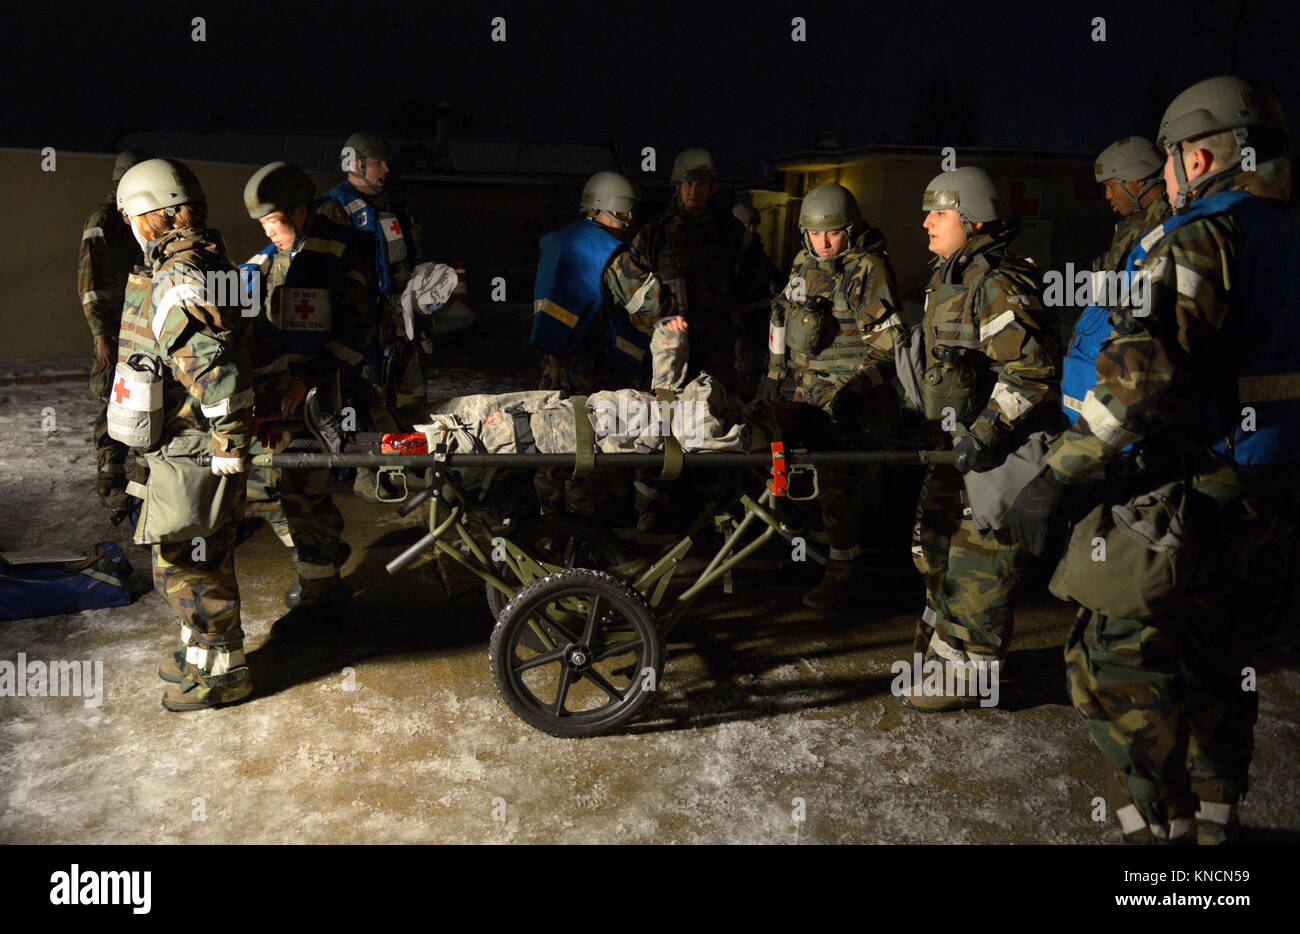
(725, 76)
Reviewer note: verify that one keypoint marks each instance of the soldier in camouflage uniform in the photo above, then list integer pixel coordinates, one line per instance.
(207, 393)
(986, 340)
(313, 291)
(833, 330)
(1130, 171)
(393, 365)
(695, 248)
(108, 254)
(759, 287)
(602, 343)
(1167, 698)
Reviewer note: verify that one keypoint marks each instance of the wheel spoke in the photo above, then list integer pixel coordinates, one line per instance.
(593, 616)
(549, 620)
(617, 649)
(562, 692)
(537, 660)
(596, 678)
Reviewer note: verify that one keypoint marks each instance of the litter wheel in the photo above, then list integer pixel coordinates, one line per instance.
(568, 542)
(596, 659)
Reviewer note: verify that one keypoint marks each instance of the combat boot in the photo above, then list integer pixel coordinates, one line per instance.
(215, 673)
(1217, 824)
(318, 591)
(954, 686)
(323, 422)
(341, 551)
(840, 588)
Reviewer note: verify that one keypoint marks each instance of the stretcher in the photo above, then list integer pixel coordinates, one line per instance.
(578, 644)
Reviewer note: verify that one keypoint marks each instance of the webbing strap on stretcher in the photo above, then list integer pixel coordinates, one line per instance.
(584, 436)
(672, 468)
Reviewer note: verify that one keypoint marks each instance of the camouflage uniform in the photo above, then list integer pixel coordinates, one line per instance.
(853, 355)
(1128, 229)
(206, 387)
(1164, 697)
(298, 504)
(699, 259)
(388, 350)
(626, 283)
(108, 254)
(983, 302)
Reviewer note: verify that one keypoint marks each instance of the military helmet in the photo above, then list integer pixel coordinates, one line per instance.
(1216, 105)
(1132, 159)
(155, 184)
(829, 207)
(745, 213)
(607, 191)
(279, 186)
(969, 191)
(363, 145)
(126, 159)
(693, 165)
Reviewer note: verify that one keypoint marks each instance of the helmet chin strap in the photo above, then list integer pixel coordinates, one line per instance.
(376, 187)
(1151, 183)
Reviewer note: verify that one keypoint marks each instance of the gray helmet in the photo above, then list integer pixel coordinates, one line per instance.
(1212, 106)
(692, 165)
(607, 191)
(1132, 159)
(969, 191)
(745, 213)
(155, 184)
(363, 145)
(829, 207)
(126, 159)
(279, 186)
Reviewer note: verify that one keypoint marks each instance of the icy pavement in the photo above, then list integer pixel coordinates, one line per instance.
(387, 728)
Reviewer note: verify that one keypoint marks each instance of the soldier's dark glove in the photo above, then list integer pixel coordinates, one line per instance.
(1030, 518)
(973, 454)
(846, 406)
(769, 390)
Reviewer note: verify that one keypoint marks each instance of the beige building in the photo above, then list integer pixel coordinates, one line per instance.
(40, 227)
(1063, 215)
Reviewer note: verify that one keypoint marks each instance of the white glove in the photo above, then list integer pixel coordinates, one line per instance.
(225, 466)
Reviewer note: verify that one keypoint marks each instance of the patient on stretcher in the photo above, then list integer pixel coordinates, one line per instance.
(698, 412)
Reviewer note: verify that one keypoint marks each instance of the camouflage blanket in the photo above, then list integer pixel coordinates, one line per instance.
(702, 417)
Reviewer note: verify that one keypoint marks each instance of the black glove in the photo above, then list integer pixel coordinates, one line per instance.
(846, 406)
(1030, 518)
(769, 390)
(973, 454)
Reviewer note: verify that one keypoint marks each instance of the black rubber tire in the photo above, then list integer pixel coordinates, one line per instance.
(559, 540)
(619, 608)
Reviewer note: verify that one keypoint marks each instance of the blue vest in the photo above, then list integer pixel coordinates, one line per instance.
(315, 266)
(365, 216)
(1262, 333)
(568, 295)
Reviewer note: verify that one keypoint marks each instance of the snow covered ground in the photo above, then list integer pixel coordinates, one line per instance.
(386, 727)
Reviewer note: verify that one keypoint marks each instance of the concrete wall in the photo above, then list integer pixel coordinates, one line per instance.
(41, 215)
